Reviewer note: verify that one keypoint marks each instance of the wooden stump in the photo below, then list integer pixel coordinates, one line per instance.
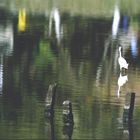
(67, 112)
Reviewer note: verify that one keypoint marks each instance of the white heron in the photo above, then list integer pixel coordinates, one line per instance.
(122, 62)
(121, 81)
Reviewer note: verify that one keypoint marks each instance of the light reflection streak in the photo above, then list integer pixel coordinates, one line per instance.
(134, 49)
(6, 39)
(6, 47)
(21, 20)
(116, 21)
(55, 16)
(1, 75)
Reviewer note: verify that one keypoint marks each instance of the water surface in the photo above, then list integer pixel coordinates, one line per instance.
(80, 53)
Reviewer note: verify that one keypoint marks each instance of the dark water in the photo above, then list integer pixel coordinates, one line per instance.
(79, 53)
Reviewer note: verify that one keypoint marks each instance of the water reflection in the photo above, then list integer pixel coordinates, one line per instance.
(85, 66)
(121, 81)
(126, 127)
(1, 75)
(125, 20)
(134, 47)
(6, 38)
(6, 46)
(68, 131)
(21, 20)
(49, 127)
(116, 21)
(128, 130)
(55, 16)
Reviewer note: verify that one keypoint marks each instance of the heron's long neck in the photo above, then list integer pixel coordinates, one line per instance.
(120, 53)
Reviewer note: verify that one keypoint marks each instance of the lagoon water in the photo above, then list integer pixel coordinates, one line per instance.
(78, 50)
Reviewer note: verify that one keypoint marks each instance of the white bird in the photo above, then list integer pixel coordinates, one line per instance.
(121, 81)
(122, 62)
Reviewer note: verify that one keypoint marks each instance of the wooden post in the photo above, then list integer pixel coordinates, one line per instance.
(67, 112)
(129, 107)
(50, 100)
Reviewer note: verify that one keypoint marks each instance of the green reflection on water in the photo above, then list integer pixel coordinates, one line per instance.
(77, 7)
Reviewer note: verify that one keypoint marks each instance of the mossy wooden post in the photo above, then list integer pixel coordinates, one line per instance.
(128, 107)
(50, 100)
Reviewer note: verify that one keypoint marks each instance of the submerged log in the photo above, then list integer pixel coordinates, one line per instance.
(50, 100)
